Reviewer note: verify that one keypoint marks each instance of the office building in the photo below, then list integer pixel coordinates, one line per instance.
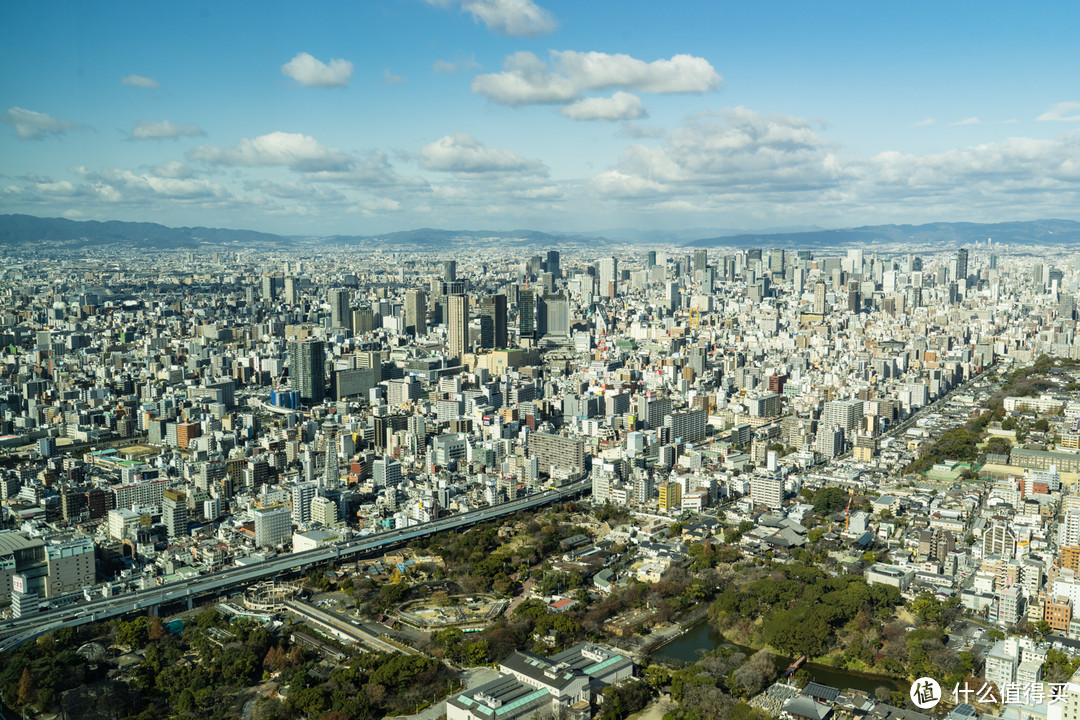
(273, 526)
(493, 332)
(457, 328)
(174, 513)
(340, 314)
(307, 368)
(416, 312)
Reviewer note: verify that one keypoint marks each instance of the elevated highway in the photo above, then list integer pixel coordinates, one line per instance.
(230, 579)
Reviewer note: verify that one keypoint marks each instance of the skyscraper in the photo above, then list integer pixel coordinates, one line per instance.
(458, 326)
(493, 321)
(307, 360)
(552, 264)
(609, 277)
(340, 316)
(819, 298)
(450, 270)
(416, 311)
(526, 315)
(961, 264)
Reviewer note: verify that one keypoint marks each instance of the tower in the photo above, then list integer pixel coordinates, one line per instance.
(458, 327)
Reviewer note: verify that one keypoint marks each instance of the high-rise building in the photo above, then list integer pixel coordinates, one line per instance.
(324, 512)
(458, 326)
(670, 497)
(819, 298)
(174, 513)
(551, 265)
(493, 321)
(526, 315)
(767, 490)
(307, 361)
(450, 270)
(292, 292)
(273, 525)
(340, 316)
(609, 277)
(386, 473)
(416, 311)
(961, 264)
(301, 495)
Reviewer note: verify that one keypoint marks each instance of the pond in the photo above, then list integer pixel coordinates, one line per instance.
(703, 638)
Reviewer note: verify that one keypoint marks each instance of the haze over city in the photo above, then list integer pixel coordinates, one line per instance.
(395, 114)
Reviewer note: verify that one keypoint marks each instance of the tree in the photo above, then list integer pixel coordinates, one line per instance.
(27, 688)
(156, 631)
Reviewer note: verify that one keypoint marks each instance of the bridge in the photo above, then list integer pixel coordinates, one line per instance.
(229, 579)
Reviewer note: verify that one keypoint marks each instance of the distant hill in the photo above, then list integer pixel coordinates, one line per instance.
(1034, 232)
(57, 234)
(61, 233)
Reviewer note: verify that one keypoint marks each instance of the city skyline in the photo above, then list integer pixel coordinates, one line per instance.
(512, 113)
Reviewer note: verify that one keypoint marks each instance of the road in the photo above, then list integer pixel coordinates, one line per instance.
(235, 578)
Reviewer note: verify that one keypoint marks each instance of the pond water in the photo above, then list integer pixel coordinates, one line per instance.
(703, 638)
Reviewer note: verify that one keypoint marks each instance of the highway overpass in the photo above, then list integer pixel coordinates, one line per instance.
(229, 579)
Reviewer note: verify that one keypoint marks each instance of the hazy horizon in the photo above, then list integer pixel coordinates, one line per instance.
(392, 115)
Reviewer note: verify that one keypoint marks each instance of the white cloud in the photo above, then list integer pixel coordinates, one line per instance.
(462, 153)
(140, 81)
(390, 78)
(507, 17)
(925, 122)
(300, 153)
(620, 106)
(597, 71)
(526, 79)
(311, 72)
(149, 130)
(1062, 112)
(967, 121)
(31, 125)
(741, 151)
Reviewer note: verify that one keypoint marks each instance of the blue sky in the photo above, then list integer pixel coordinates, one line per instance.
(379, 115)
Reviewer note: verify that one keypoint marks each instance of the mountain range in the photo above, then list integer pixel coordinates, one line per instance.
(25, 232)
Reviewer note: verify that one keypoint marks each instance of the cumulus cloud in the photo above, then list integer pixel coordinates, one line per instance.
(32, 125)
(1062, 112)
(312, 72)
(620, 106)
(140, 81)
(526, 79)
(149, 130)
(506, 17)
(597, 71)
(390, 78)
(462, 153)
(300, 153)
(740, 150)
(925, 122)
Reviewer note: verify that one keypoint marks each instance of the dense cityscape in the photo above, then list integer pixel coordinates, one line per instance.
(294, 483)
